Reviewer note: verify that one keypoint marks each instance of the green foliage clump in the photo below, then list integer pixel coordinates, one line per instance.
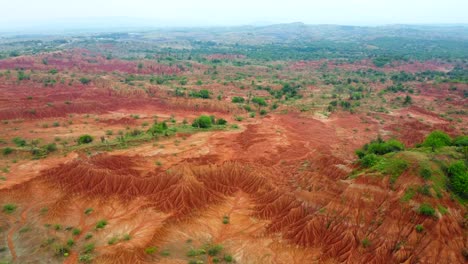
(425, 172)
(19, 142)
(214, 250)
(426, 209)
(437, 139)
(419, 228)
(158, 129)
(202, 122)
(101, 224)
(369, 160)
(85, 139)
(9, 208)
(85, 80)
(381, 147)
(203, 93)
(151, 250)
(458, 175)
(260, 101)
(461, 141)
(366, 242)
(221, 121)
(238, 99)
(7, 151)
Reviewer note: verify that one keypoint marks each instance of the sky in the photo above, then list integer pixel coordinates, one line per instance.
(29, 13)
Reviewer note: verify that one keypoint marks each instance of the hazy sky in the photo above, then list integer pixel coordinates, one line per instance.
(235, 12)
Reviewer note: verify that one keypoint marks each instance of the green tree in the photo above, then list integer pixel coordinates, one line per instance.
(408, 100)
(437, 139)
(259, 101)
(85, 139)
(202, 122)
(458, 175)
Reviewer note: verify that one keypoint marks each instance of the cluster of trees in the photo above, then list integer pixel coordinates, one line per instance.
(456, 171)
(368, 155)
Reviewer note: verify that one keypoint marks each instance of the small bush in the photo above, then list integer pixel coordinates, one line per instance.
(221, 121)
(50, 147)
(366, 242)
(419, 228)
(238, 99)
(88, 248)
(228, 258)
(76, 231)
(7, 151)
(101, 224)
(158, 129)
(214, 250)
(425, 173)
(426, 209)
(369, 160)
(151, 250)
(9, 208)
(259, 101)
(202, 122)
(85, 139)
(85, 80)
(19, 142)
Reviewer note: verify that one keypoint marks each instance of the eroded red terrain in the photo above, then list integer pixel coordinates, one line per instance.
(282, 180)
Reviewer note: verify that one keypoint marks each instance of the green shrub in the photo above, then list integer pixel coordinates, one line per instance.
(214, 250)
(382, 147)
(151, 250)
(263, 112)
(85, 139)
(88, 248)
(76, 231)
(437, 139)
(19, 142)
(425, 173)
(202, 122)
(458, 175)
(158, 129)
(101, 224)
(461, 141)
(50, 147)
(238, 99)
(260, 101)
(419, 228)
(366, 242)
(205, 94)
(7, 151)
(426, 209)
(9, 208)
(228, 258)
(221, 121)
(369, 160)
(85, 80)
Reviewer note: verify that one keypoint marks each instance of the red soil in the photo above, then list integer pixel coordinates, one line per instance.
(81, 61)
